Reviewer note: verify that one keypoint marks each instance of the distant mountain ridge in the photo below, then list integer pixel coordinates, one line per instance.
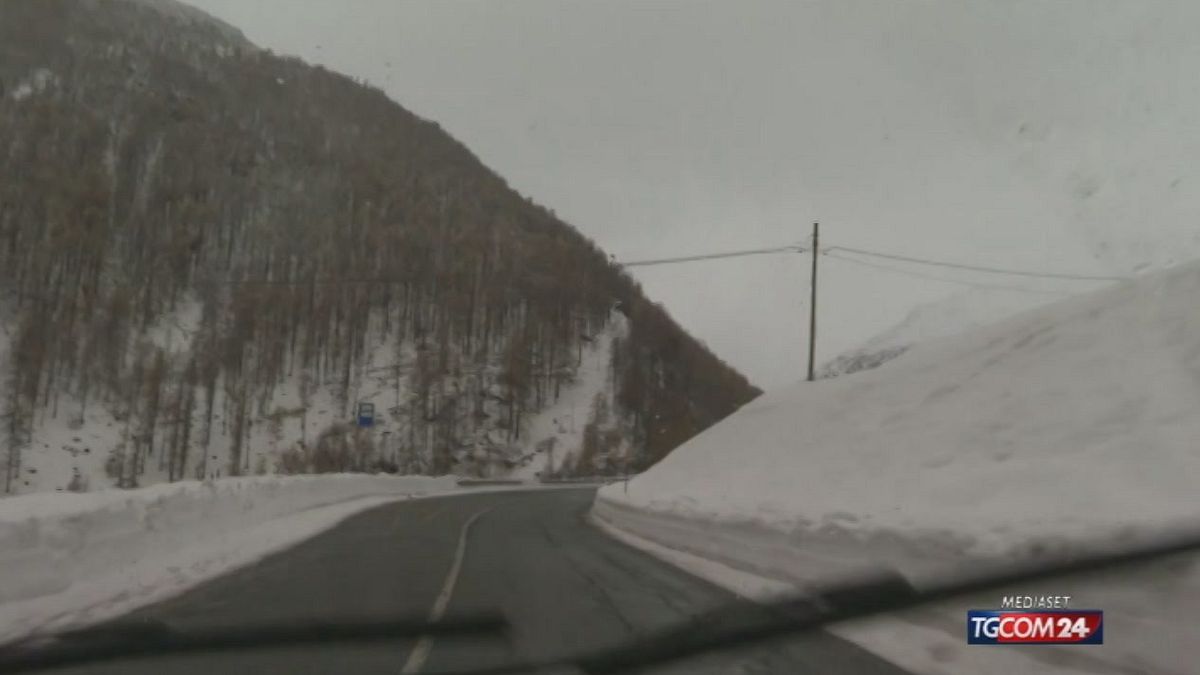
(956, 314)
(180, 11)
(209, 255)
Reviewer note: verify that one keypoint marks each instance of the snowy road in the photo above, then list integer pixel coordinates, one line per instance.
(564, 585)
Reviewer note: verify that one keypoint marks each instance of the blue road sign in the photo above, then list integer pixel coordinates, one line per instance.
(366, 414)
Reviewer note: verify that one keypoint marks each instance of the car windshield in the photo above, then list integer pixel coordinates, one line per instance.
(732, 336)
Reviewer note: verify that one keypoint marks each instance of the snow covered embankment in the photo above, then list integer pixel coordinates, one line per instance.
(75, 558)
(1067, 424)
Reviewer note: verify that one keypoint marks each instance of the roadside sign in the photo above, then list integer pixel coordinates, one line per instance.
(366, 414)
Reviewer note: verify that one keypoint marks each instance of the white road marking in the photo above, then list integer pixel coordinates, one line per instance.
(416, 659)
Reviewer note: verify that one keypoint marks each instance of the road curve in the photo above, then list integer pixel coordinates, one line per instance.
(563, 585)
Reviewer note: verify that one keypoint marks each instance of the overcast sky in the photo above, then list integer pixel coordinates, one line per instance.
(972, 131)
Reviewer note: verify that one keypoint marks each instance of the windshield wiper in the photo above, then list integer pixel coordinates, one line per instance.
(148, 638)
(728, 627)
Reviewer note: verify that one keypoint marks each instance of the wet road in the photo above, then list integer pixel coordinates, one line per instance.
(562, 584)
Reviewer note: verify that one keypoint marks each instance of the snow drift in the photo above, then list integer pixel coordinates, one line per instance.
(67, 558)
(1073, 422)
(1077, 417)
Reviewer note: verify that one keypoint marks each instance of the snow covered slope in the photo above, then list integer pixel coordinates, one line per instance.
(958, 313)
(554, 436)
(1085, 409)
(459, 316)
(74, 446)
(1075, 421)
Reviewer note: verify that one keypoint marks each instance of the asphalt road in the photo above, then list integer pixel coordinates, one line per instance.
(563, 585)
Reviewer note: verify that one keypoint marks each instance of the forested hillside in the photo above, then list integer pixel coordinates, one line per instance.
(209, 254)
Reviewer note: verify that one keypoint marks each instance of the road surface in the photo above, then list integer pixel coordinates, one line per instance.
(562, 584)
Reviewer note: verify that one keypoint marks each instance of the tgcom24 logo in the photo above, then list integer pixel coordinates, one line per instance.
(1042, 620)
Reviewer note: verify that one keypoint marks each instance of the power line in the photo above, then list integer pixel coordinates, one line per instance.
(714, 256)
(918, 275)
(974, 268)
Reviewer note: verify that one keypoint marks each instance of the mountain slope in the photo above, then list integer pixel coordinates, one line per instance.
(210, 254)
(1070, 421)
(956, 314)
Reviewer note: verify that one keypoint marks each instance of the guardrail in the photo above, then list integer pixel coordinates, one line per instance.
(481, 482)
(565, 480)
(602, 480)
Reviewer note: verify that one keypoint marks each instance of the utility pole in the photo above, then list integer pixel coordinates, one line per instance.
(812, 318)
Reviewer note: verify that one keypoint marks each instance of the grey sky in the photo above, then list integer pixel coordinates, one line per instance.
(975, 131)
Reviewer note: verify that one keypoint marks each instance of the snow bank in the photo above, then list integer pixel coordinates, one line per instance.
(1079, 416)
(1149, 612)
(70, 558)
(1072, 422)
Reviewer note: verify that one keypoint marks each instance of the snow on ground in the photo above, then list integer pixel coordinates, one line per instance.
(69, 559)
(1152, 605)
(560, 425)
(1033, 407)
(916, 647)
(740, 582)
(1070, 423)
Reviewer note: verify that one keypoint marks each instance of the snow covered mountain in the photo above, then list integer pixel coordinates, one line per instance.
(956, 314)
(210, 256)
